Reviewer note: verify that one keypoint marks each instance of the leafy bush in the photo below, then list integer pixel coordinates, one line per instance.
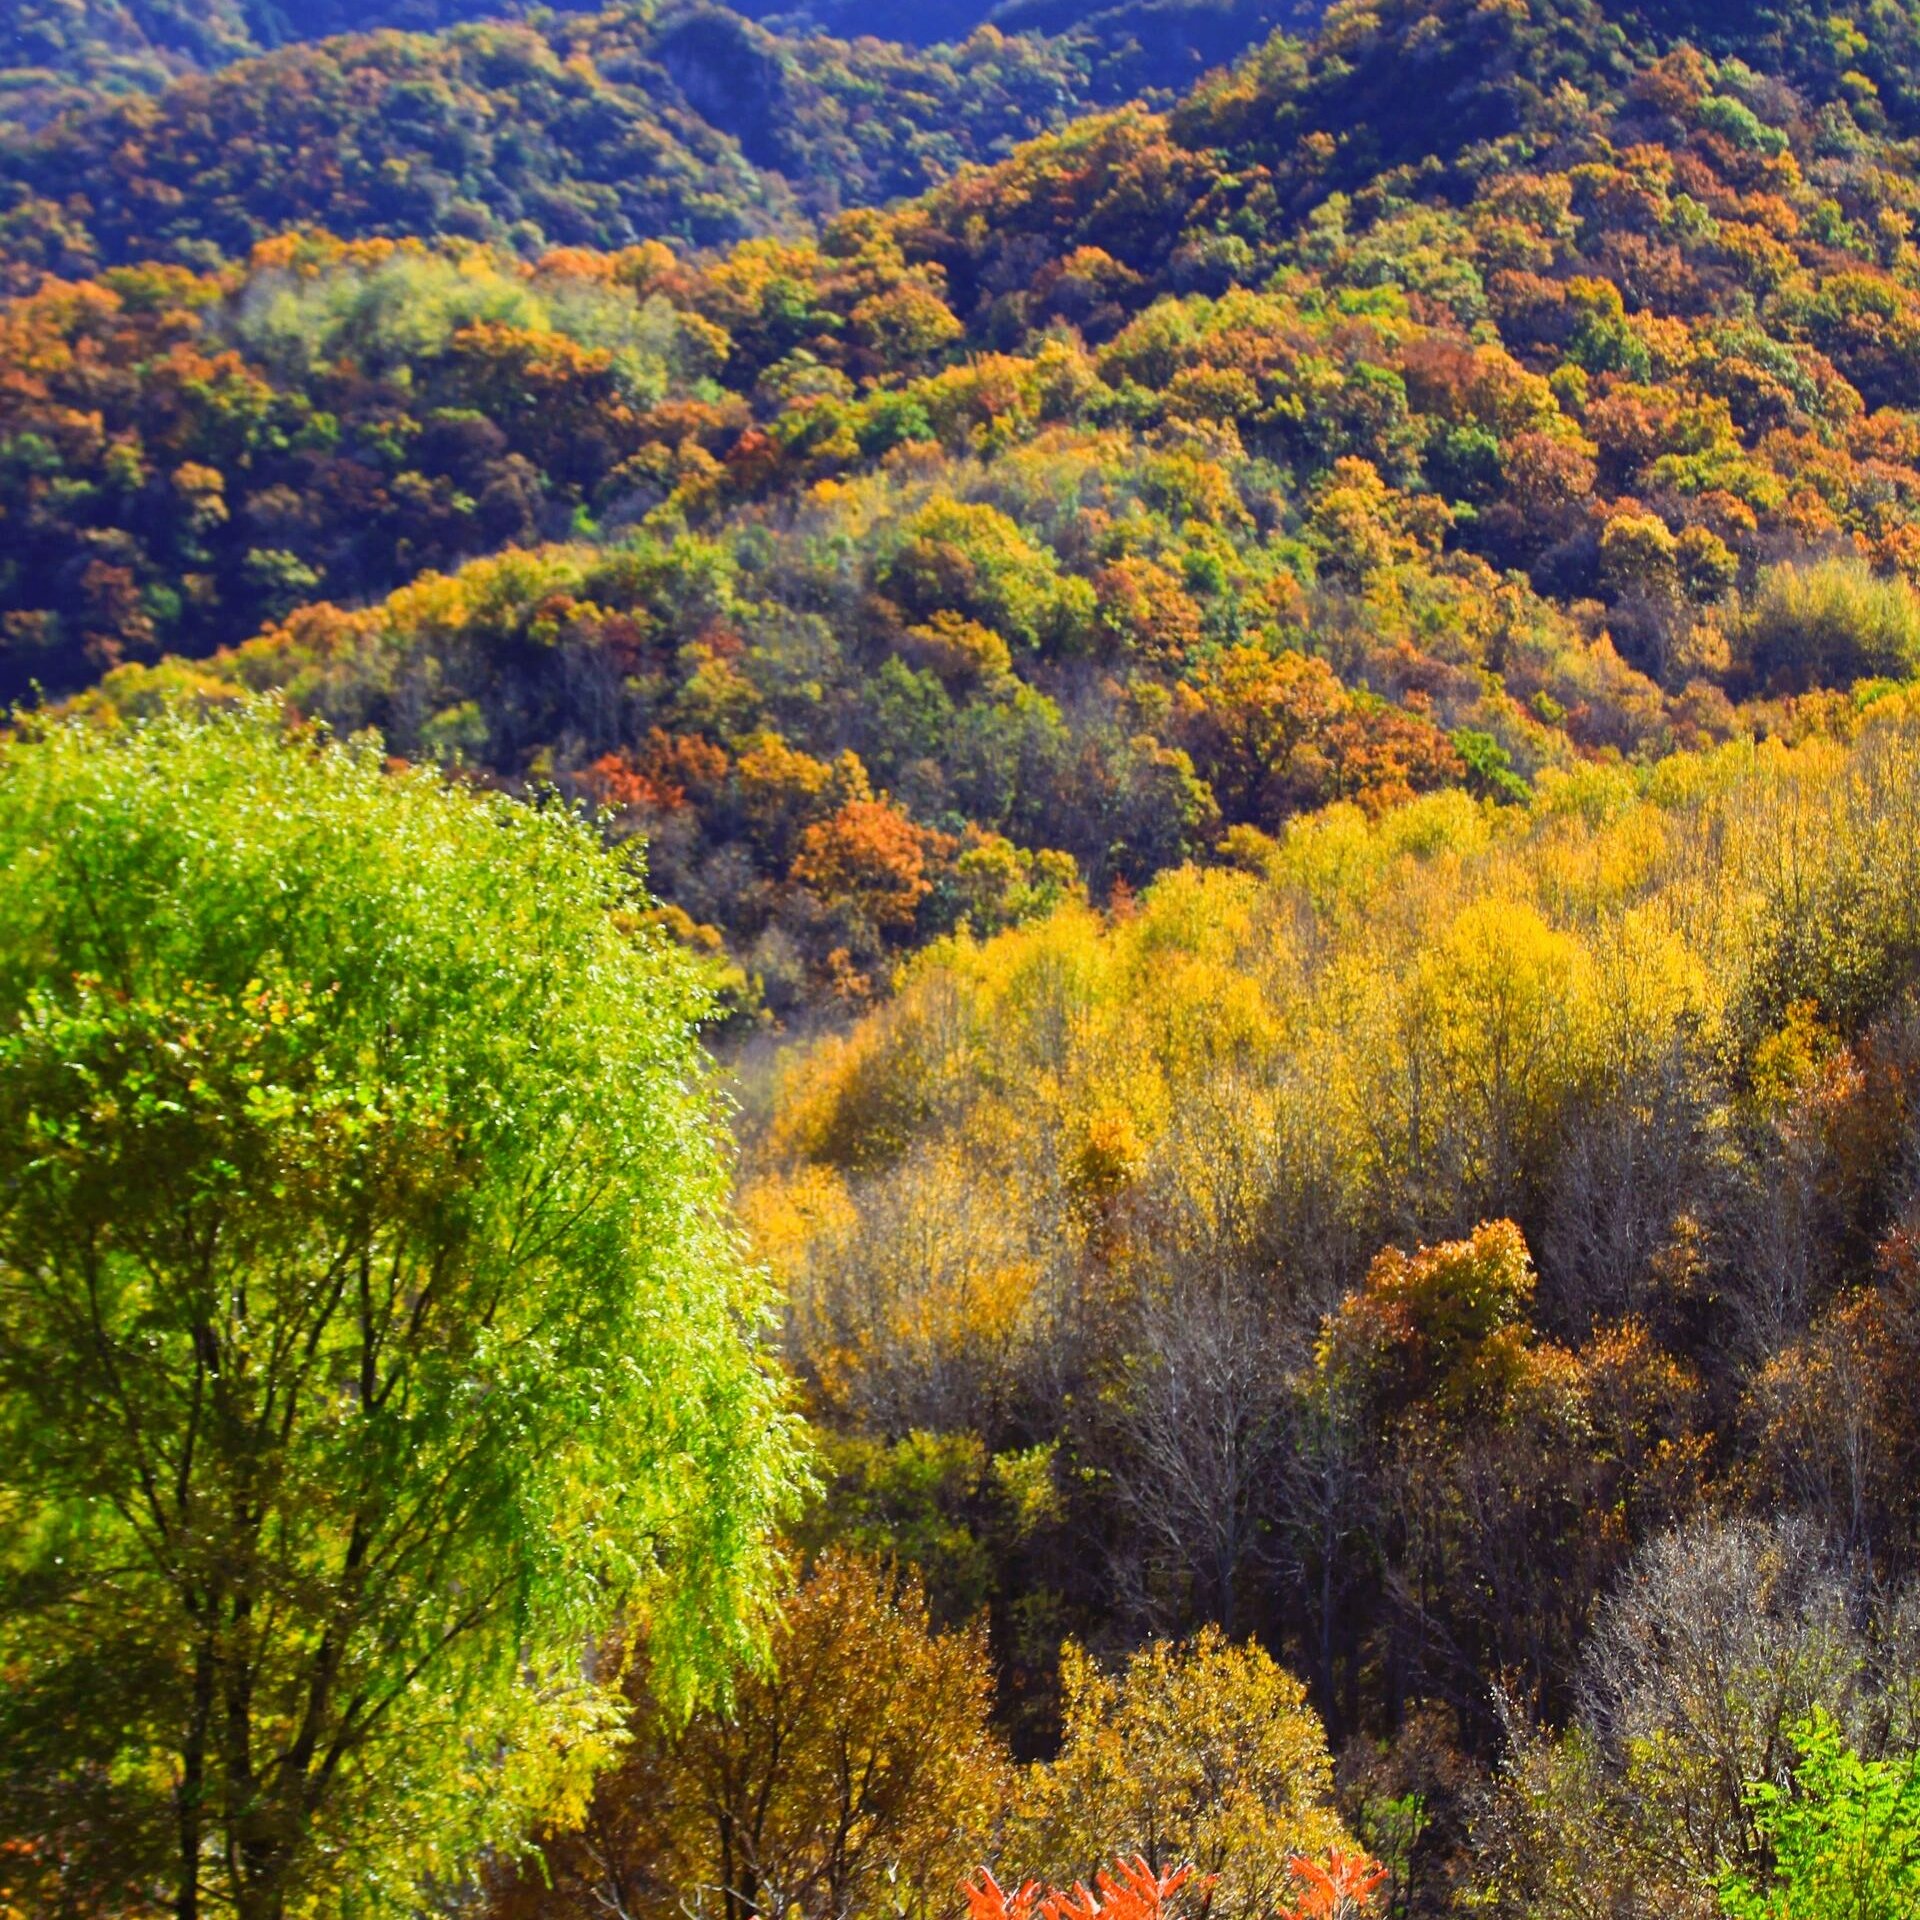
(1829, 623)
(1845, 1835)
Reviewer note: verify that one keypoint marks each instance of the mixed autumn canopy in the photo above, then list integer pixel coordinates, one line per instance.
(1261, 662)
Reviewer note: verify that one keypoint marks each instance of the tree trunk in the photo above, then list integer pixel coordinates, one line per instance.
(191, 1795)
(261, 1861)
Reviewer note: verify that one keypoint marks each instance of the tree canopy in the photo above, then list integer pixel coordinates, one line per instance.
(371, 1334)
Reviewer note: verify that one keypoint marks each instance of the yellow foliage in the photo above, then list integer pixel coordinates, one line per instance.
(1205, 1753)
(1409, 1013)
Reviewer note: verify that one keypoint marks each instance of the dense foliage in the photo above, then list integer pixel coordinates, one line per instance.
(1115, 1188)
(569, 128)
(1091, 506)
(1283, 721)
(1845, 1835)
(59, 53)
(818, 1789)
(370, 1334)
(62, 55)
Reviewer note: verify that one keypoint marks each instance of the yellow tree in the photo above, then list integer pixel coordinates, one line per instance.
(1203, 1752)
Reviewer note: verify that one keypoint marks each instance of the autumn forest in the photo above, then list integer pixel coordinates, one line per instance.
(958, 964)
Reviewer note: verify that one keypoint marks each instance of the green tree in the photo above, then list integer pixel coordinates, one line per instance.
(370, 1336)
(1845, 1837)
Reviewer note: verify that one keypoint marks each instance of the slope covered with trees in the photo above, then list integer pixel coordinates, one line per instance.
(580, 76)
(63, 54)
(1618, 1085)
(59, 53)
(601, 129)
(1172, 476)
(1285, 724)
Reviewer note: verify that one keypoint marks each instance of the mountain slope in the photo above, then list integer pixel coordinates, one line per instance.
(60, 55)
(1291, 723)
(580, 129)
(54, 54)
(1082, 517)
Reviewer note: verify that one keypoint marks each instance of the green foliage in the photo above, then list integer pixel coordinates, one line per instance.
(973, 560)
(1844, 1837)
(1734, 120)
(1490, 771)
(399, 314)
(59, 56)
(628, 124)
(1830, 623)
(372, 1333)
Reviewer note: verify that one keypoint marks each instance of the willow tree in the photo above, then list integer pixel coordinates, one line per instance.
(371, 1337)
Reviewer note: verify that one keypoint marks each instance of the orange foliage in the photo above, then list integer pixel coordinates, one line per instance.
(1132, 1891)
(868, 857)
(616, 783)
(1339, 1889)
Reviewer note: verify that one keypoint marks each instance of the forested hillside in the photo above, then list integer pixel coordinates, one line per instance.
(55, 52)
(579, 128)
(75, 58)
(1167, 479)
(1273, 717)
